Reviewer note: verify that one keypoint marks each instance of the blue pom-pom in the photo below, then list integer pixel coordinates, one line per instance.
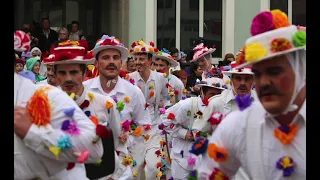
(88, 113)
(69, 112)
(64, 142)
(199, 146)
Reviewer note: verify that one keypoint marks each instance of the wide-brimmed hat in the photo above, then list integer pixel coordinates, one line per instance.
(142, 47)
(110, 42)
(165, 55)
(21, 41)
(272, 35)
(70, 52)
(213, 83)
(200, 50)
(234, 70)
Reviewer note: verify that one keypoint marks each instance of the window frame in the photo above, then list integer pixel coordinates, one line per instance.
(227, 25)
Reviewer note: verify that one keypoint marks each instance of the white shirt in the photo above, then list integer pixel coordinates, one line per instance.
(176, 84)
(43, 82)
(32, 146)
(110, 117)
(134, 110)
(160, 92)
(223, 103)
(248, 137)
(178, 128)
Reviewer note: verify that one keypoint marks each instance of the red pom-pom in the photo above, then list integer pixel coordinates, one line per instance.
(103, 131)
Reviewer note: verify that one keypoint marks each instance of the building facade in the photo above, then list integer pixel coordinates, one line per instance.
(169, 23)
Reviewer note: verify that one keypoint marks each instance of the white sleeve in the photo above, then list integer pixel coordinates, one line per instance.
(140, 113)
(176, 127)
(229, 136)
(40, 138)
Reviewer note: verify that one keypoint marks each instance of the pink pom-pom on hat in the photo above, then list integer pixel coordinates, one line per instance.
(21, 41)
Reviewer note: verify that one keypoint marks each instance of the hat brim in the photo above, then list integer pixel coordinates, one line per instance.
(172, 62)
(20, 49)
(123, 51)
(209, 52)
(269, 57)
(229, 73)
(206, 85)
(73, 61)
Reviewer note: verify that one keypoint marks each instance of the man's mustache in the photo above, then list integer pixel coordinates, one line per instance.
(243, 87)
(270, 89)
(111, 66)
(69, 83)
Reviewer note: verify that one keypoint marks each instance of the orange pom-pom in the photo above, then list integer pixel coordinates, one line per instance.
(217, 153)
(280, 44)
(39, 108)
(95, 120)
(280, 19)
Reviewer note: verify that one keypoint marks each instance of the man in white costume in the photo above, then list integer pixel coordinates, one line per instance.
(178, 120)
(110, 54)
(44, 146)
(70, 73)
(202, 55)
(267, 139)
(154, 88)
(163, 61)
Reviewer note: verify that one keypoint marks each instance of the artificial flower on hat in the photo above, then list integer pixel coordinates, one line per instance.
(141, 47)
(21, 41)
(200, 51)
(70, 52)
(272, 35)
(110, 42)
(165, 54)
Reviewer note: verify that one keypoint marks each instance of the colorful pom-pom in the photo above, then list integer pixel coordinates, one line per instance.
(217, 153)
(199, 146)
(69, 111)
(287, 165)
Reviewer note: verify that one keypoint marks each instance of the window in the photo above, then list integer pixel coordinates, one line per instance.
(189, 23)
(166, 24)
(212, 25)
(299, 12)
(279, 4)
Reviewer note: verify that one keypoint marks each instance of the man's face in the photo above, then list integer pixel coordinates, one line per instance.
(211, 92)
(203, 63)
(175, 56)
(19, 67)
(161, 65)
(274, 81)
(184, 80)
(242, 83)
(75, 27)
(51, 77)
(70, 77)
(36, 53)
(63, 35)
(109, 63)
(142, 62)
(45, 24)
(131, 66)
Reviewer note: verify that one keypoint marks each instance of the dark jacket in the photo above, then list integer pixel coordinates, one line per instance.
(44, 42)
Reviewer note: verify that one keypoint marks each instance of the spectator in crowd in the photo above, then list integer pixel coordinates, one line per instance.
(182, 75)
(131, 65)
(33, 65)
(76, 33)
(228, 58)
(195, 76)
(47, 36)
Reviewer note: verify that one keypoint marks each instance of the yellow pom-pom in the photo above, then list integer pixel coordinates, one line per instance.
(255, 51)
(135, 174)
(91, 96)
(127, 99)
(55, 150)
(159, 174)
(228, 81)
(109, 104)
(127, 161)
(90, 67)
(72, 95)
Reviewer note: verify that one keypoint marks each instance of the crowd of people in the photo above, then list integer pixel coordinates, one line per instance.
(167, 117)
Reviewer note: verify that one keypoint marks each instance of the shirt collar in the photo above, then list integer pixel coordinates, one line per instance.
(231, 96)
(80, 99)
(151, 77)
(119, 87)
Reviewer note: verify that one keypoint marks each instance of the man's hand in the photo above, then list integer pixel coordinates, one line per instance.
(195, 89)
(189, 136)
(22, 121)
